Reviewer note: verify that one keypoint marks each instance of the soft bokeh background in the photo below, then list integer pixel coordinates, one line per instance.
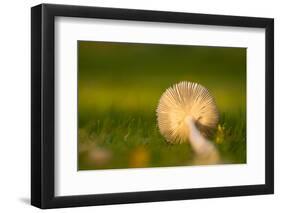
(119, 88)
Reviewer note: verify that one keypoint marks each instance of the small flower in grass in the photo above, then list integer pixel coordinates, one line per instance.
(99, 156)
(220, 134)
(139, 157)
(93, 155)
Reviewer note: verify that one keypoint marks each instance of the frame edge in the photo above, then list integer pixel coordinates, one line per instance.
(36, 60)
(269, 117)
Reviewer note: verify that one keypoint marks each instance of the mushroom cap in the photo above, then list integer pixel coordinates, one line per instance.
(182, 102)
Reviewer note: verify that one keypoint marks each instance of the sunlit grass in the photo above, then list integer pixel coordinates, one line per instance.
(128, 141)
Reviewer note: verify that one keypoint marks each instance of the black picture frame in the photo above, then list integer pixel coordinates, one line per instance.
(43, 102)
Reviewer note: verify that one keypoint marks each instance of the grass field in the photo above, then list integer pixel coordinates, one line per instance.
(119, 89)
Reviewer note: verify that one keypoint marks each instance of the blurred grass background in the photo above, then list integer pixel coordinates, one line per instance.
(119, 88)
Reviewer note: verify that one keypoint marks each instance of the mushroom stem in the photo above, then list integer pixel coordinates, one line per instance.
(201, 146)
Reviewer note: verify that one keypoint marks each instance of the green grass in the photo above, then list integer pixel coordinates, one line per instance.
(134, 140)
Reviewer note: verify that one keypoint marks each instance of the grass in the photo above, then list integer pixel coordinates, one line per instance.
(123, 140)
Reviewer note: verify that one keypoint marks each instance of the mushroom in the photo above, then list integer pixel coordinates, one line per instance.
(187, 112)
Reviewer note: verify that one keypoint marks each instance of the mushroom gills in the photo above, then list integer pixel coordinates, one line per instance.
(187, 112)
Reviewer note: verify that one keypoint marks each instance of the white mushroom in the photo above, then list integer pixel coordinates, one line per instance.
(187, 112)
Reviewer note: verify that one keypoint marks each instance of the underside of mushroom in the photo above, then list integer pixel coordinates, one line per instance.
(187, 112)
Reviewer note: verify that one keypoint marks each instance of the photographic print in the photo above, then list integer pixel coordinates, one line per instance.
(133, 95)
(160, 105)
